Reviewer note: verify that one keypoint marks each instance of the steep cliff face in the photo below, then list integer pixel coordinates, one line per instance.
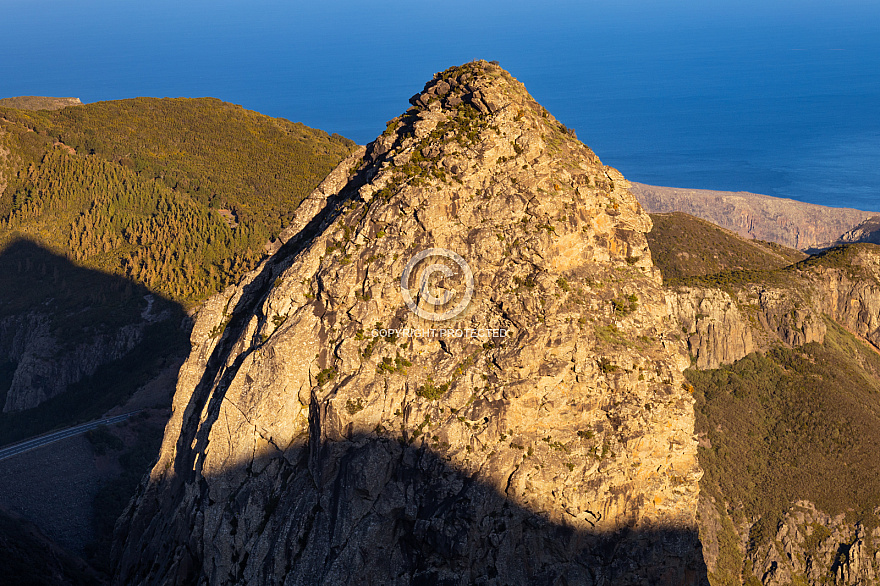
(811, 543)
(785, 221)
(324, 432)
(45, 366)
(807, 546)
(60, 323)
(722, 325)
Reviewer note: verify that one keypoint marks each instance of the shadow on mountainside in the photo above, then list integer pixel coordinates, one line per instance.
(31, 559)
(366, 510)
(253, 295)
(369, 511)
(79, 341)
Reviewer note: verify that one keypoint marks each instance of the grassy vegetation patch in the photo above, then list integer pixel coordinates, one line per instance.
(728, 566)
(257, 166)
(840, 257)
(611, 334)
(684, 247)
(625, 305)
(793, 424)
(432, 391)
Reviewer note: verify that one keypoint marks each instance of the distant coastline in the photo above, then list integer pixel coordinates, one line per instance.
(39, 102)
(797, 224)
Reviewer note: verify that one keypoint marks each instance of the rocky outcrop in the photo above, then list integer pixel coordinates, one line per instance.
(325, 433)
(46, 366)
(721, 329)
(867, 231)
(850, 294)
(785, 221)
(716, 330)
(722, 325)
(806, 547)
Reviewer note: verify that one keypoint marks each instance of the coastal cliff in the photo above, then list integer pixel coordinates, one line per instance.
(788, 222)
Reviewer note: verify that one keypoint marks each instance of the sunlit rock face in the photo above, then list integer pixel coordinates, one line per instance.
(324, 434)
(790, 307)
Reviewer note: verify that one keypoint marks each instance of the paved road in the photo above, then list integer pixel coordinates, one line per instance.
(36, 442)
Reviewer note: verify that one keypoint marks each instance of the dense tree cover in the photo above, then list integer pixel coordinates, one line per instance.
(219, 153)
(107, 217)
(132, 186)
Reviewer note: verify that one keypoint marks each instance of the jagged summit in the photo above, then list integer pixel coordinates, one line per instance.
(476, 119)
(475, 137)
(454, 370)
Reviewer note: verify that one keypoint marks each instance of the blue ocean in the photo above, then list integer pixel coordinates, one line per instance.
(781, 97)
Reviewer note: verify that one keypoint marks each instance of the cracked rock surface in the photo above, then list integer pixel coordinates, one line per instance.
(314, 442)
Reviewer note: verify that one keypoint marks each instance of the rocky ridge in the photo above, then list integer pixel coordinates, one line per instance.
(312, 441)
(723, 324)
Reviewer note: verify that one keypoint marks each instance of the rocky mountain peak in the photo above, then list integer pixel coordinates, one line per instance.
(476, 122)
(456, 362)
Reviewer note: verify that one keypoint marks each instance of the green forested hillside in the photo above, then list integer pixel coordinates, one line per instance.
(133, 186)
(106, 216)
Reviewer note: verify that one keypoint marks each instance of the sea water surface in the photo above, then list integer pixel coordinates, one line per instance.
(779, 97)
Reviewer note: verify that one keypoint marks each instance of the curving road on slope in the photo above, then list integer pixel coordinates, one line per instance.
(37, 442)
